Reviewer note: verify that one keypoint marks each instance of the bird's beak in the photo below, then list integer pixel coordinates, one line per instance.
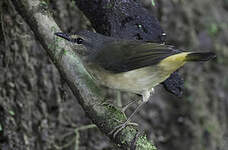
(64, 36)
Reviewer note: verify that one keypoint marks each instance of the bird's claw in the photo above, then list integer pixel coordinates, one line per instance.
(120, 127)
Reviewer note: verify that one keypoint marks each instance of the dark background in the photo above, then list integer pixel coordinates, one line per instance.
(38, 111)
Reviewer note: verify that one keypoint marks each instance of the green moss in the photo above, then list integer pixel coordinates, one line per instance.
(211, 127)
(43, 3)
(91, 84)
(64, 51)
(153, 2)
(112, 112)
(109, 5)
(43, 6)
(53, 29)
(55, 47)
(213, 29)
(143, 144)
(11, 113)
(129, 134)
(73, 4)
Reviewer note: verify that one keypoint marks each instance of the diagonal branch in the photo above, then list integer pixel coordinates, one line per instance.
(37, 16)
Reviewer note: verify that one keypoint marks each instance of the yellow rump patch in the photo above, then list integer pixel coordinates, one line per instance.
(172, 63)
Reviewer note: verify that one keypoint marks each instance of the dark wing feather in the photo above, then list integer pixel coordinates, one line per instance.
(122, 56)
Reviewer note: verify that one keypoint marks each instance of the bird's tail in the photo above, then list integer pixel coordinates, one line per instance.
(200, 56)
(174, 62)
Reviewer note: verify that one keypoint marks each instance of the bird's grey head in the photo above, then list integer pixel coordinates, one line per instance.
(90, 40)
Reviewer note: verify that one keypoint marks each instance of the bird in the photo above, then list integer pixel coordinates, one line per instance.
(129, 65)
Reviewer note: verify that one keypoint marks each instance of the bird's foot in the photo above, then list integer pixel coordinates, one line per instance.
(120, 127)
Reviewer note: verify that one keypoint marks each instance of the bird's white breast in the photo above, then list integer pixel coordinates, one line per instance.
(135, 81)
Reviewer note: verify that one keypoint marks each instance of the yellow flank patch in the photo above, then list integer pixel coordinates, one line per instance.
(172, 63)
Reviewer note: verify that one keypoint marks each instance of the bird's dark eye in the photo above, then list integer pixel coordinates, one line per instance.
(79, 40)
(163, 37)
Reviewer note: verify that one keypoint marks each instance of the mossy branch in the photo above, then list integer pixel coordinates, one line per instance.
(36, 15)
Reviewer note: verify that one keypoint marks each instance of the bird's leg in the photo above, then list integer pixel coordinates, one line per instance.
(119, 99)
(124, 108)
(119, 102)
(116, 130)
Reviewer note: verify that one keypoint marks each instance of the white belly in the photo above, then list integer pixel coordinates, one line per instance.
(135, 81)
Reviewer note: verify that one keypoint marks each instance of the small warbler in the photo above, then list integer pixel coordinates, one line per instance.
(130, 65)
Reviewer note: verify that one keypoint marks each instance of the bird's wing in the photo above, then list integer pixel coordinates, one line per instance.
(123, 56)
